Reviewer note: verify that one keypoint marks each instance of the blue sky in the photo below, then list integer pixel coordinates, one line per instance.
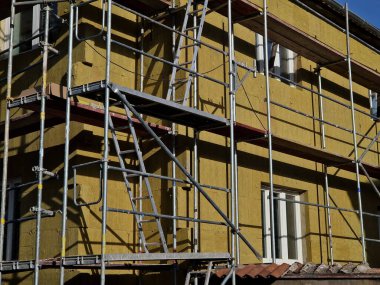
(366, 9)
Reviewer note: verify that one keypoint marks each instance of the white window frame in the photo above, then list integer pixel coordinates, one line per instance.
(283, 227)
(284, 59)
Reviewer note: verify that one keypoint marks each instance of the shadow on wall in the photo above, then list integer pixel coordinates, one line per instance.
(130, 279)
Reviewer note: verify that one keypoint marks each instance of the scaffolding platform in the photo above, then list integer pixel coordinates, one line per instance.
(170, 111)
(166, 110)
(88, 113)
(155, 106)
(117, 261)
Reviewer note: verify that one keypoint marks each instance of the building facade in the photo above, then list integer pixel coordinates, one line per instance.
(298, 183)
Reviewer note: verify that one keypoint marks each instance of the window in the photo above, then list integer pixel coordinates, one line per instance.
(281, 60)
(11, 214)
(374, 104)
(287, 219)
(27, 25)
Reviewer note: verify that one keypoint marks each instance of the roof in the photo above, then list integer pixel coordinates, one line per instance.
(302, 271)
(336, 13)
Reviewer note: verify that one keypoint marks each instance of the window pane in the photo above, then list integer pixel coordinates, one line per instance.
(277, 225)
(23, 29)
(264, 214)
(291, 226)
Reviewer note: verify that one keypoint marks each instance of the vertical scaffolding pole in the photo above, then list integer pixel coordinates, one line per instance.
(231, 62)
(357, 170)
(174, 174)
(142, 34)
(41, 147)
(269, 131)
(236, 162)
(106, 145)
(67, 147)
(4, 181)
(237, 203)
(326, 180)
(196, 137)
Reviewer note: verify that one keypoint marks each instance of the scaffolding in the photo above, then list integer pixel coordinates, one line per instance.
(178, 111)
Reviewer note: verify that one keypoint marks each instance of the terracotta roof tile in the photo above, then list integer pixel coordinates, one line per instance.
(245, 270)
(222, 272)
(298, 270)
(254, 272)
(267, 270)
(280, 270)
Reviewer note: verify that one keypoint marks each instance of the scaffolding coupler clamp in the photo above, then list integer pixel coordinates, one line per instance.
(235, 230)
(44, 212)
(37, 169)
(49, 46)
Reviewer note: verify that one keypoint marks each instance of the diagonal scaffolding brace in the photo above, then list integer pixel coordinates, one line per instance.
(184, 171)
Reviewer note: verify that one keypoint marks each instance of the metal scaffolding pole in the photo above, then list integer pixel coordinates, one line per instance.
(67, 146)
(325, 172)
(196, 137)
(174, 198)
(235, 165)
(4, 182)
(174, 134)
(142, 34)
(237, 205)
(269, 132)
(41, 142)
(106, 145)
(191, 179)
(231, 61)
(357, 170)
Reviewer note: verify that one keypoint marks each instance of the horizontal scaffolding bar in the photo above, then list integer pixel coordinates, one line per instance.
(320, 94)
(319, 120)
(152, 175)
(326, 207)
(22, 3)
(94, 260)
(149, 19)
(170, 63)
(170, 217)
(372, 240)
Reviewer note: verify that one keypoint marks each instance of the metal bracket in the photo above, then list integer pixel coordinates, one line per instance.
(75, 167)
